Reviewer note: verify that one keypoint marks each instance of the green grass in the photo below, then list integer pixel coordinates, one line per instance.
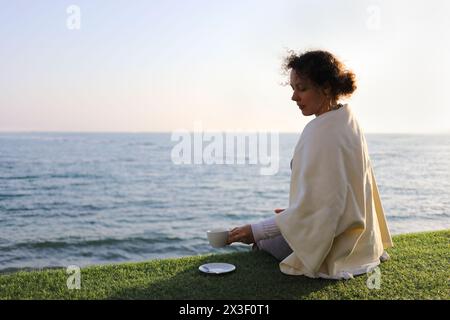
(418, 269)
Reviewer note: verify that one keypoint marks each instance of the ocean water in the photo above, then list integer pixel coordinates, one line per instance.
(83, 199)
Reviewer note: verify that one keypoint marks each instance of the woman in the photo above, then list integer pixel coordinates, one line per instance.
(334, 226)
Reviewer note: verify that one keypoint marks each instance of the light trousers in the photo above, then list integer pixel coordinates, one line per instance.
(277, 247)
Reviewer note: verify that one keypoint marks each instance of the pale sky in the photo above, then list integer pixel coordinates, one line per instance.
(137, 66)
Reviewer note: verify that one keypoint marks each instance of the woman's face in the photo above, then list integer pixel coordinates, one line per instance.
(309, 98)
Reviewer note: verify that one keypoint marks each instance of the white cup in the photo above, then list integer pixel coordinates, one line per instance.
(217, 237)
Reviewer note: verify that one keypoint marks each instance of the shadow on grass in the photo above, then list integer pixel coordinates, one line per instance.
(257, 276)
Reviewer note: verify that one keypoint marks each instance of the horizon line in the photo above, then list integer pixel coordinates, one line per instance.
(208, 131)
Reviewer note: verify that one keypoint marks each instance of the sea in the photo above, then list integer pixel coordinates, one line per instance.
(99, 198)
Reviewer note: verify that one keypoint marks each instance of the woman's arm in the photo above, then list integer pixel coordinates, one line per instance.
(265, 229)
(241, 234)
(251, 233)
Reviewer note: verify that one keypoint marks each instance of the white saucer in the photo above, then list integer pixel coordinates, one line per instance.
(216, 268)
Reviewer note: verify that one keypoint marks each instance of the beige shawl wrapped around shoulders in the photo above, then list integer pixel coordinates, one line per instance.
(335, 223)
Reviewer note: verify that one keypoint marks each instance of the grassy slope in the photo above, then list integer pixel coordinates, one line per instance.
(418, 269)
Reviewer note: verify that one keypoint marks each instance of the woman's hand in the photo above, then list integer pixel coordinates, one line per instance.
(241, 234)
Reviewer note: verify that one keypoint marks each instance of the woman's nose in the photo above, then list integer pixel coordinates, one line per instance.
(294, 97)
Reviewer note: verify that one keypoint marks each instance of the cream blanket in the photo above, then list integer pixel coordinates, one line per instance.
(335, 222)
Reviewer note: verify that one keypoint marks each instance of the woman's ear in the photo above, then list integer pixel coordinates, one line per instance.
(327, 91)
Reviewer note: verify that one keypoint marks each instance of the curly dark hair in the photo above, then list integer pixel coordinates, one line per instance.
(324, 70)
